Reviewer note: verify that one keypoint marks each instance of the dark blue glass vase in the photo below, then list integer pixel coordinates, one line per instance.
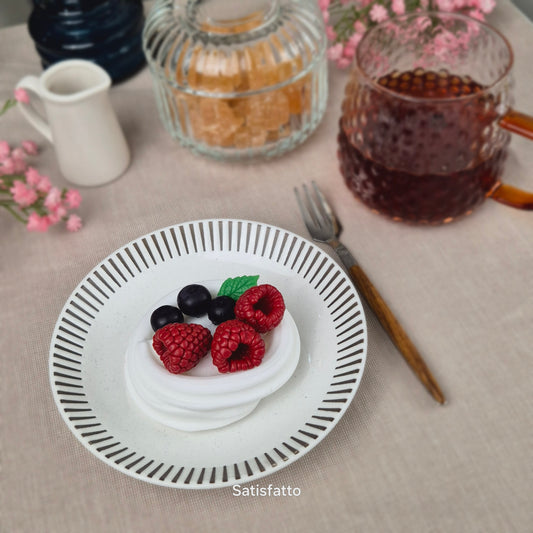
(107, 32)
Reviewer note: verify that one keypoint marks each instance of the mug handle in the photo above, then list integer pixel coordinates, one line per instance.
(31, 83)
(520, 123)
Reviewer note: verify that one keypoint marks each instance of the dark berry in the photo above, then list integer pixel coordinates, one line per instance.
(194, 300)
(166, 314)
(262, 307)
(221, 309)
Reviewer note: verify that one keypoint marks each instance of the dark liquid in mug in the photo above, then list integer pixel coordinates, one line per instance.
(423, 162)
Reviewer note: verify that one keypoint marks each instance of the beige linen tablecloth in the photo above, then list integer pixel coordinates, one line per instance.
(396, 462)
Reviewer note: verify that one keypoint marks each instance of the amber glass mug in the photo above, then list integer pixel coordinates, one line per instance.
(426, 117)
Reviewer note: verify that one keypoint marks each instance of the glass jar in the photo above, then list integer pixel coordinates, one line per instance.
(238, 80)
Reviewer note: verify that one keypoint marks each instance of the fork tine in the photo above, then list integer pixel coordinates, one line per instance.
(326, 209)
(317, 216)
(322, 205)
(308, 221)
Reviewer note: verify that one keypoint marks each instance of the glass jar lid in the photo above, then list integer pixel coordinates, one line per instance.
(226, 48)
(222, 17)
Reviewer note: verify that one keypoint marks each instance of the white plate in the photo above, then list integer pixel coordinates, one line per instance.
(92, 332)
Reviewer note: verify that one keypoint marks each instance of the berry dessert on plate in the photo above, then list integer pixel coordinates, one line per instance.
(206, 354)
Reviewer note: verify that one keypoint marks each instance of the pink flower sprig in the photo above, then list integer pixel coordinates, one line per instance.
(347, 20)
(28, 195)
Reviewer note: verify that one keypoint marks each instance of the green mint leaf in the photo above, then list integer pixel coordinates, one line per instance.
(234, 287)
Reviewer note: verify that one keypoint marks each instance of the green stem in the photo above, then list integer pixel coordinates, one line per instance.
(344, 26)
(8, 105)
(13, 212)
(8, 179)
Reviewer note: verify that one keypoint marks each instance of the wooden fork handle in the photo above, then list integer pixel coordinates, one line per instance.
(396, 332)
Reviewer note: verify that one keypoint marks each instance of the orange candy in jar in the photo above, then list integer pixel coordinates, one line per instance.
(246, 83)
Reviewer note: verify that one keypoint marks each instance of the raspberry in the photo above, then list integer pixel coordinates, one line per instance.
(181, 346)
(236, 346)
(262, 307)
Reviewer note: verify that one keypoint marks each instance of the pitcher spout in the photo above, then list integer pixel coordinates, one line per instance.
(73, 81)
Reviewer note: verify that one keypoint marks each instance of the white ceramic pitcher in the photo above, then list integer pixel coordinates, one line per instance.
(80, 122)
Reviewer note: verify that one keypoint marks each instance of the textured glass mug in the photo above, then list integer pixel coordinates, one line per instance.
(423, 130)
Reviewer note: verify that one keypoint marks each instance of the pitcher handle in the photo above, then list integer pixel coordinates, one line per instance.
(520, 123)
(31, 83)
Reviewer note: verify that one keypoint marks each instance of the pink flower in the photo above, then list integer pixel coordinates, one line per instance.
(22, 195)
(348, 52)
(22, 96)
(323, 4)
(28, 193)
(351, 45)
(487, 5)
(354, 40)
(73, 223)
(398, 6)
(32, 177)
(445, 5)
(476, 14)
(331, 33)
(30, 147)
(18, 153)
(57, 214)
(44, 184)
(5, 150)
(422, 23)
(359, 27)
(37, 223)
(19, 160)
(445, 43)
(335, 52)
(73, 198)
(8, 166)
(53, 199)
(378, 13)
(424, 4)
(19, 165)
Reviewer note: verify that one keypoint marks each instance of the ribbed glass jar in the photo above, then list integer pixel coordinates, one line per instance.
(238, 80)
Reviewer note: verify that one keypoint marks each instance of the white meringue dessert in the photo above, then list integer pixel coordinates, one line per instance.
(203, 398)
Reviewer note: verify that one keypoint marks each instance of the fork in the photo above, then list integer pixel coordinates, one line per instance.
(324, 227)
